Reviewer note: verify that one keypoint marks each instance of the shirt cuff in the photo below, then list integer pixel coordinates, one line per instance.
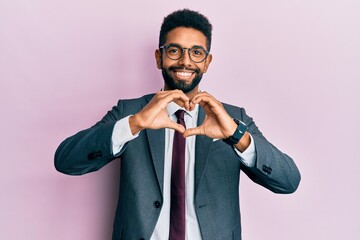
(121, 135)
(248, 157)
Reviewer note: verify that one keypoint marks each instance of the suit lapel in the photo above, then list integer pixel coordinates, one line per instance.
(156, 139)
(202, 149)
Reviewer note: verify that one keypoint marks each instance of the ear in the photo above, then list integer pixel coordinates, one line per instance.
(207, 62)
(158, 58)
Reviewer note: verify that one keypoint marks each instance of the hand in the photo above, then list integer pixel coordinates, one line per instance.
(217, 122)
(154, 114)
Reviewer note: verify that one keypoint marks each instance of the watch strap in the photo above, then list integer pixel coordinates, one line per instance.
(238, 134)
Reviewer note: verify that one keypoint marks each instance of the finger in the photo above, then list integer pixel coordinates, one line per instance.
(207, 104)
(193, 131)
(187, 105)
(170, 95)
(177, 127)
(204, 98)
(191, 106)
(183, 104)
(177, 96)
(201, 95)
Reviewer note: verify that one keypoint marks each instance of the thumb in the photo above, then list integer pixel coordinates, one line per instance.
(177, 127)
(193, 131)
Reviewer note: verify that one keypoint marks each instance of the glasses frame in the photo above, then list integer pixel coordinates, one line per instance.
(183, 51)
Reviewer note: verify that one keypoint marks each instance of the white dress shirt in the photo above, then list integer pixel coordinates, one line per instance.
(122, 134)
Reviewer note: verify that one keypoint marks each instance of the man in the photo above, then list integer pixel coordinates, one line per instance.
(196, 197)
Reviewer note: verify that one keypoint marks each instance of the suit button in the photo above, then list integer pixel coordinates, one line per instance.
(94, 155)
(157, 204)
(266, 169)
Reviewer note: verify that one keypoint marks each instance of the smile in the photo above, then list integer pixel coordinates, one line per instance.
(181, 74)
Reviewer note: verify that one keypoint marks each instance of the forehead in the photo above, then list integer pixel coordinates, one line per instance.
(186, 37)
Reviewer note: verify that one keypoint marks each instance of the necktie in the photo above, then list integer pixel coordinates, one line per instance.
(177, 207)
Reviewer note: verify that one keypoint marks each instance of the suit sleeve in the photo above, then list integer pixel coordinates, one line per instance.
(90, 149)
(273, 169)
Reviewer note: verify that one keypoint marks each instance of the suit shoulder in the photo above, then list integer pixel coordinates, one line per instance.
(136, 101)
(232, 109)
(126, 107)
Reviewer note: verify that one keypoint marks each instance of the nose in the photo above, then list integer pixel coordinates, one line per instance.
(185, 58)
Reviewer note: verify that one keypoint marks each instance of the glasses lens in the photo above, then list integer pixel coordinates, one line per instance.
(197, 54)
(174, 52)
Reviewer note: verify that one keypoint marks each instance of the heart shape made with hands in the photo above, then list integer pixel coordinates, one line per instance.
(217, 122)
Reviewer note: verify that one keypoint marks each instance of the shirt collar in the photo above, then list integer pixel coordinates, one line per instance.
(173, 107)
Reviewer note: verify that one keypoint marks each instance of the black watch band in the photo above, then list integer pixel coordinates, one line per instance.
(239, 132)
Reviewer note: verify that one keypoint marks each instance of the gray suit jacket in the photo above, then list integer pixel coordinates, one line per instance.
(217, 172)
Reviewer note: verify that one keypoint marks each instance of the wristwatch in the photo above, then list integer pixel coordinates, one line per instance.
(239, 132)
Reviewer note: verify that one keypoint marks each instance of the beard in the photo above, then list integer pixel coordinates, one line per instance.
(181, 85)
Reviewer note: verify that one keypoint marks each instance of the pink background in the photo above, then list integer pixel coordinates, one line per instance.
(294, 65)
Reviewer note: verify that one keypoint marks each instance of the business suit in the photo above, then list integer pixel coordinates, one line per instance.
(217, 172)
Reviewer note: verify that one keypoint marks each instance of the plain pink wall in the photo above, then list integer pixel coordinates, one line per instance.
(294, 65)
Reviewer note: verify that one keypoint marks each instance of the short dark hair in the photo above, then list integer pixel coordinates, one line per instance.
(186, 18)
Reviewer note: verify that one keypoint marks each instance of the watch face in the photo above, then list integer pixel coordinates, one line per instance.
(239, 132)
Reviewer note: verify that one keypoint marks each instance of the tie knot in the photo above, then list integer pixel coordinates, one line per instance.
(180, 114)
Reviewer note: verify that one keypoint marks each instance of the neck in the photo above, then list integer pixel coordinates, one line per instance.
(192, 93)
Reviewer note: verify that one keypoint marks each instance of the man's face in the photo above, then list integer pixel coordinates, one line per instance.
(183, 74)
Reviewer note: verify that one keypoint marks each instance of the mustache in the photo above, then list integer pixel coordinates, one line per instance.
(196, 70)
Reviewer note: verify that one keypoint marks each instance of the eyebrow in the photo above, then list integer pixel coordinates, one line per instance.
(194, 46)
(197, 46)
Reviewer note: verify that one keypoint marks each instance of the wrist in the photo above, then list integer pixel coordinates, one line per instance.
(238, 134)
(233, 127)
(135, 124)
(244, 142)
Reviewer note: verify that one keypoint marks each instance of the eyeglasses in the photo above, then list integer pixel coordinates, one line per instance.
(197, 54)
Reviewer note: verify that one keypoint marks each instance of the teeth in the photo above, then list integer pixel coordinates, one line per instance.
(183, 74)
